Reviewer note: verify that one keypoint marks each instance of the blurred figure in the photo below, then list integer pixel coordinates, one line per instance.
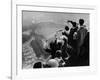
(71, 37)
(37, 65)
(72, 31)
(82, 44)
(81, 33)
(59, 58)
(53, 63)
(65, 32)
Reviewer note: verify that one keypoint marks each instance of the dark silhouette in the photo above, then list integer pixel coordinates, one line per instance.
(66, 29)
(37, 65)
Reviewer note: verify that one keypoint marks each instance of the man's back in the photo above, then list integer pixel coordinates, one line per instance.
(81, 35)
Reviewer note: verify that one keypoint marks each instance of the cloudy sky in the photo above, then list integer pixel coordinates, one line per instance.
(30, 17)
(49, 19)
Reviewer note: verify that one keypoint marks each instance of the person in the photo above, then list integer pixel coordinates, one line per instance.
(52, 63)
(65, 31)
(56, 45)
(55, 62)
(66, 49)
(52, 48)
(85, 50)
(37, 65)
(81, 33)
(59, 58)
(71, 33)
(71, 40)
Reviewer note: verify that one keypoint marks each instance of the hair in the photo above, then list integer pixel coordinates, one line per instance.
(74, 24)
(37, 65)
(66, 28)
(58, 53)
(81, 21)
(59, 45)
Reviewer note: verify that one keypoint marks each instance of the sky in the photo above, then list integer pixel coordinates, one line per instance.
(49, 22)
(30, 17)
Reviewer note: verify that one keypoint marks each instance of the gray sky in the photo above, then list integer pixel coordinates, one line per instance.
(46, 20)
(60, 18)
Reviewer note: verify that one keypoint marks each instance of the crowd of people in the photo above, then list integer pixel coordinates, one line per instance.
(70, 49)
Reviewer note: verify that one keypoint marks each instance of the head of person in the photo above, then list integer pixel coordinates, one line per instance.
(58, 53)
(81, 21)
(53, 63)
(74, 24)
(66, 28)
(37, 65)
